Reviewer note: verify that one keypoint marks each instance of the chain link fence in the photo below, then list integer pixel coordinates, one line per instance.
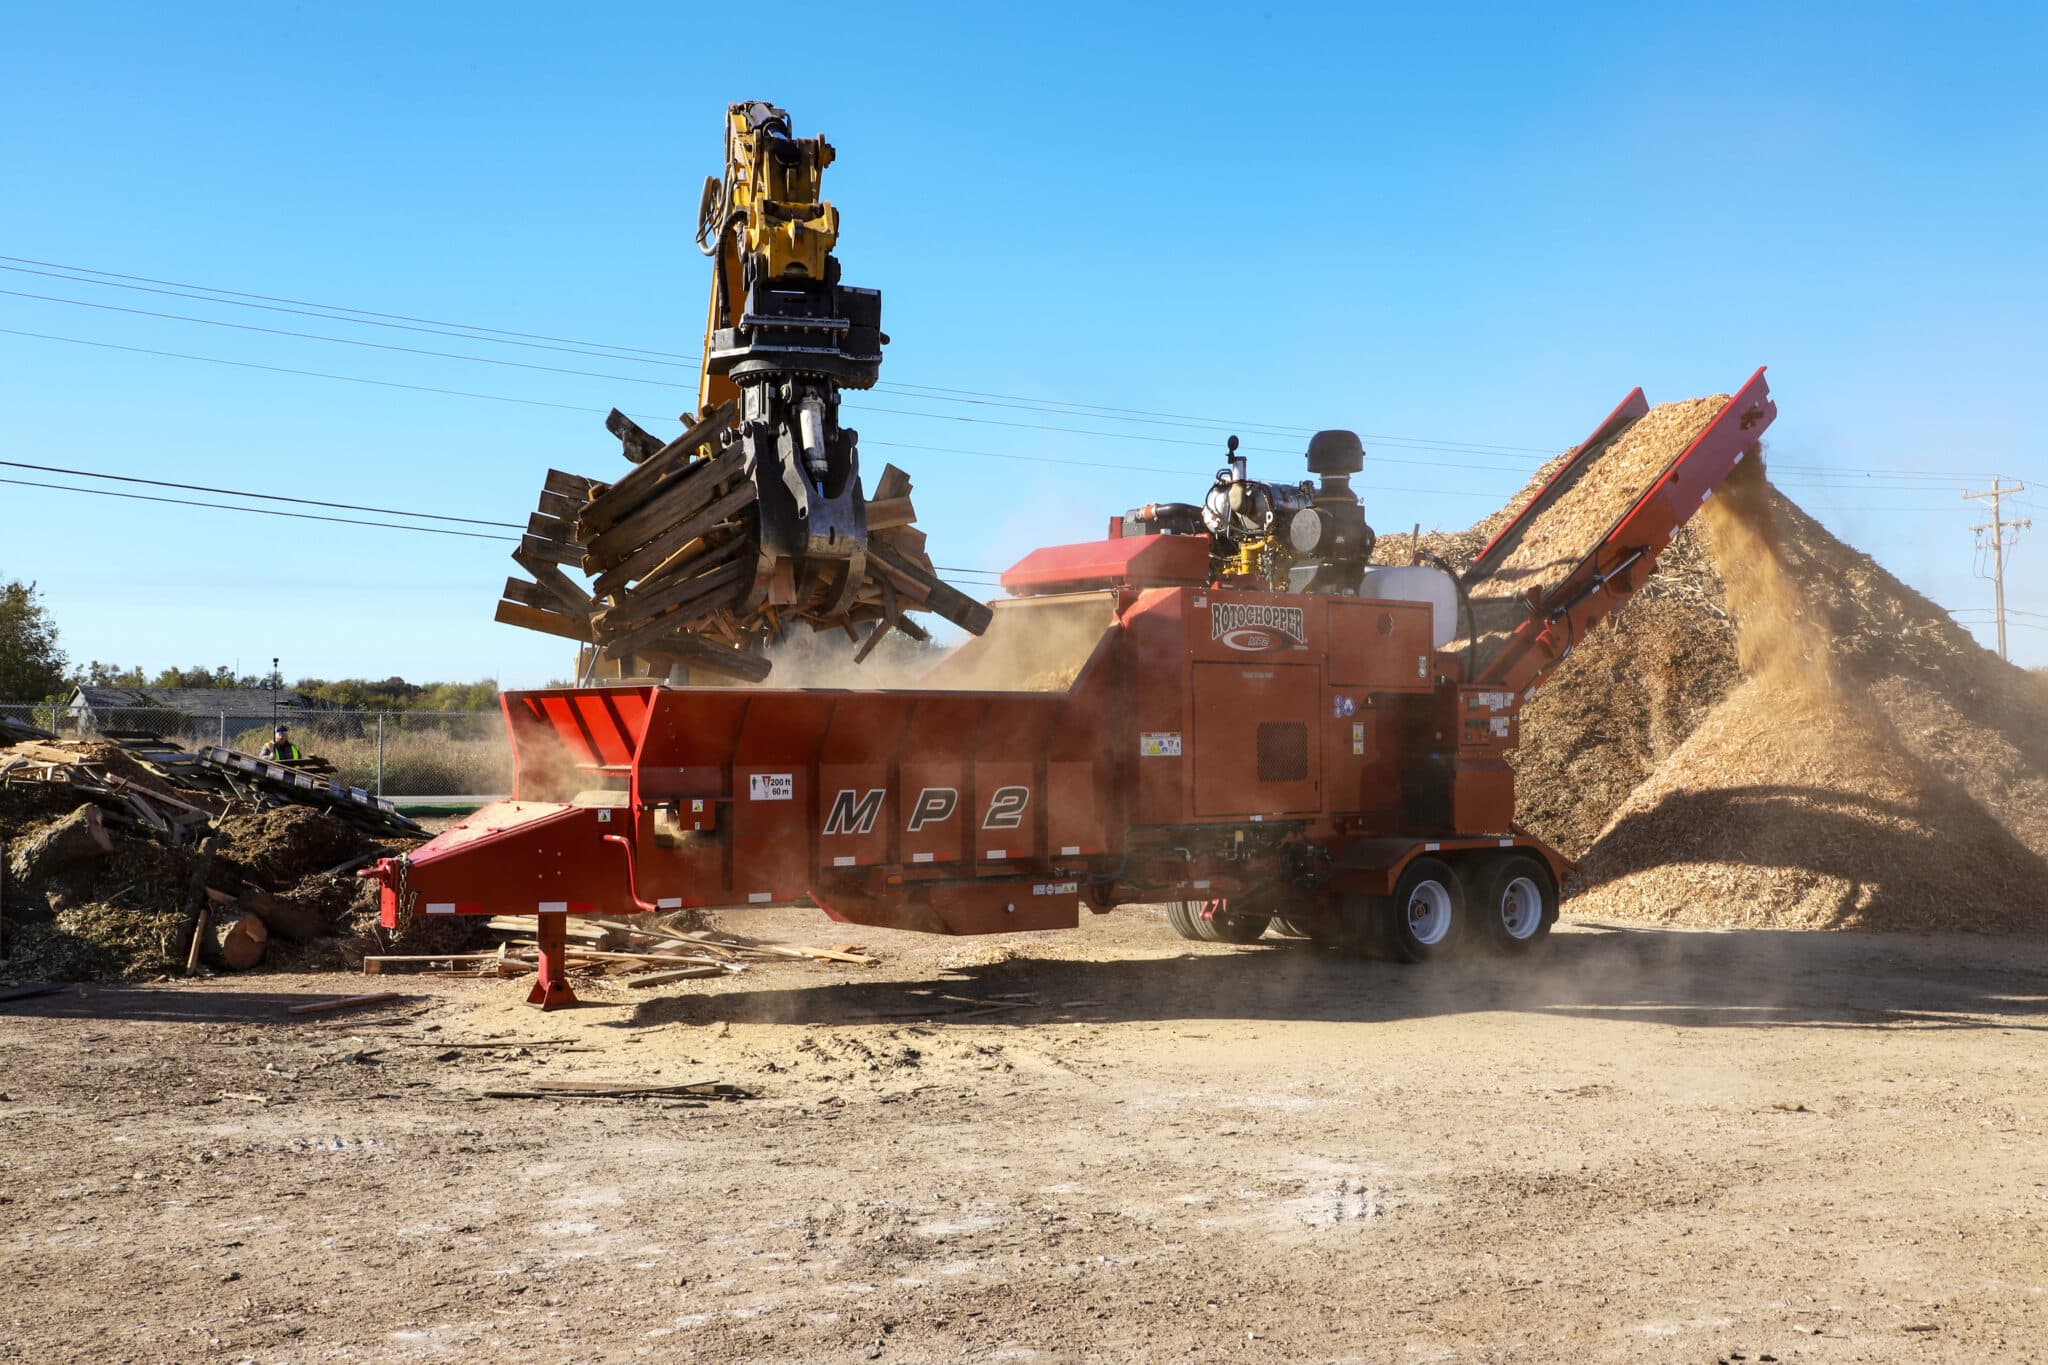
(393, 753)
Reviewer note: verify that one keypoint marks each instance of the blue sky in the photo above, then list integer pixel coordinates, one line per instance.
(1465, 232)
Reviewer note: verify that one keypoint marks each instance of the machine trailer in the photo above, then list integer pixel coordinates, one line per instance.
(1225, 707)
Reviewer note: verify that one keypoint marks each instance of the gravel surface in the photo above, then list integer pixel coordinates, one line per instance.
(1643, 1145)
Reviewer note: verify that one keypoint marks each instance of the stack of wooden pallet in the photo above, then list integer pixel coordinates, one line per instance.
(95, 772)
(679, 576)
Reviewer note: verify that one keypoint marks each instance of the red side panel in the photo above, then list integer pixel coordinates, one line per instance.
(1133, 561)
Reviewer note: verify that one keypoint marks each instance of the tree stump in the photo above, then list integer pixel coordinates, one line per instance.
(238, 941)
(76, 837)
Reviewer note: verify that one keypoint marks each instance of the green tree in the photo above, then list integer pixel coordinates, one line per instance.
(31, 665)
(97, 674)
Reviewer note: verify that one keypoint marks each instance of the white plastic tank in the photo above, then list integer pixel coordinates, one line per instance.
(1418, 583)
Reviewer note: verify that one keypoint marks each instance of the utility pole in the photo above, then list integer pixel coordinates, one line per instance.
(1998, 542)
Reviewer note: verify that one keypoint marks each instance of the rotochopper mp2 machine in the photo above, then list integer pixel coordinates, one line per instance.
(1224, 707)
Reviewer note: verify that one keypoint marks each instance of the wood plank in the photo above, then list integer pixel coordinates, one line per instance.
(886, 513)
(527, 594)
(569, 485)
(646, 617)
(894, 483)
(557, 505)
(674, 545)
(346, 1002)
(678, 974)
(690, 652)
(637, 441)
(550, 528)
(546, 622)
(948, 601)
(552, 551)
(574, 600)
(680, 499)
(676, 459)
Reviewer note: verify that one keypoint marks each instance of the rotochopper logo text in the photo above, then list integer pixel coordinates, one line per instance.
(1256, 627)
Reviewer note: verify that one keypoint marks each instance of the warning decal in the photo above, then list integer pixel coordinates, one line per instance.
(771, 786)
(1159, 744)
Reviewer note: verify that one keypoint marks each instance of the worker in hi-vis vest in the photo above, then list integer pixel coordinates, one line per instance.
(281, 747)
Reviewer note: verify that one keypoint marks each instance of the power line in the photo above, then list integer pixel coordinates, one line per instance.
(1812, 475)
(302, 516)
(348, 341)
(245, 493)
(259, 511)
(574, 407)
(331, 308)
(641, 355)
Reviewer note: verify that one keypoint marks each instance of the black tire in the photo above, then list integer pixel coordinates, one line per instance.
(1360, 926)
(1186, 919)
(1517, 903)
(1229, 928)
(1426, 916)
(1290, 928)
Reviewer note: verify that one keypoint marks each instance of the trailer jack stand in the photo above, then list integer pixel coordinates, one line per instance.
(551, 977)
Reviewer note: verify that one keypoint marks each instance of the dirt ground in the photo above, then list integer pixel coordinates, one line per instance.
(1647, 1145)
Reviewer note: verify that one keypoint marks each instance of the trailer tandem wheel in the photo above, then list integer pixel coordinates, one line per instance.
(1426, 915)
(1517, 902)
(1197, 920)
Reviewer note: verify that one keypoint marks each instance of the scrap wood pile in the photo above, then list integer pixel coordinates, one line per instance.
(14, 731)
(1776, 732)
(181, 796)
(88, 894)
(655, 952)
(679, 578)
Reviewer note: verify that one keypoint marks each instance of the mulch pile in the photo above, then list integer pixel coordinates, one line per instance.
(129, 914)
(1785, 736)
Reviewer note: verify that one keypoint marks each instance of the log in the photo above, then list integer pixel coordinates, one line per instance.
(78, 836)
(546, 622)
(638, 443)
(237, 941)
(288, 921)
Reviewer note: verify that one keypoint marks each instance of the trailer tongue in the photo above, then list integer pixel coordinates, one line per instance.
(1150, 717)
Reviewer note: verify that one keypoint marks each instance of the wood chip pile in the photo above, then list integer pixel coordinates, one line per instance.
(679, 578)
(1540, 552)
(1834, 752)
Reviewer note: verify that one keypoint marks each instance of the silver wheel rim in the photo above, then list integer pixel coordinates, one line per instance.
(1521, 908)
(1429, 913)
